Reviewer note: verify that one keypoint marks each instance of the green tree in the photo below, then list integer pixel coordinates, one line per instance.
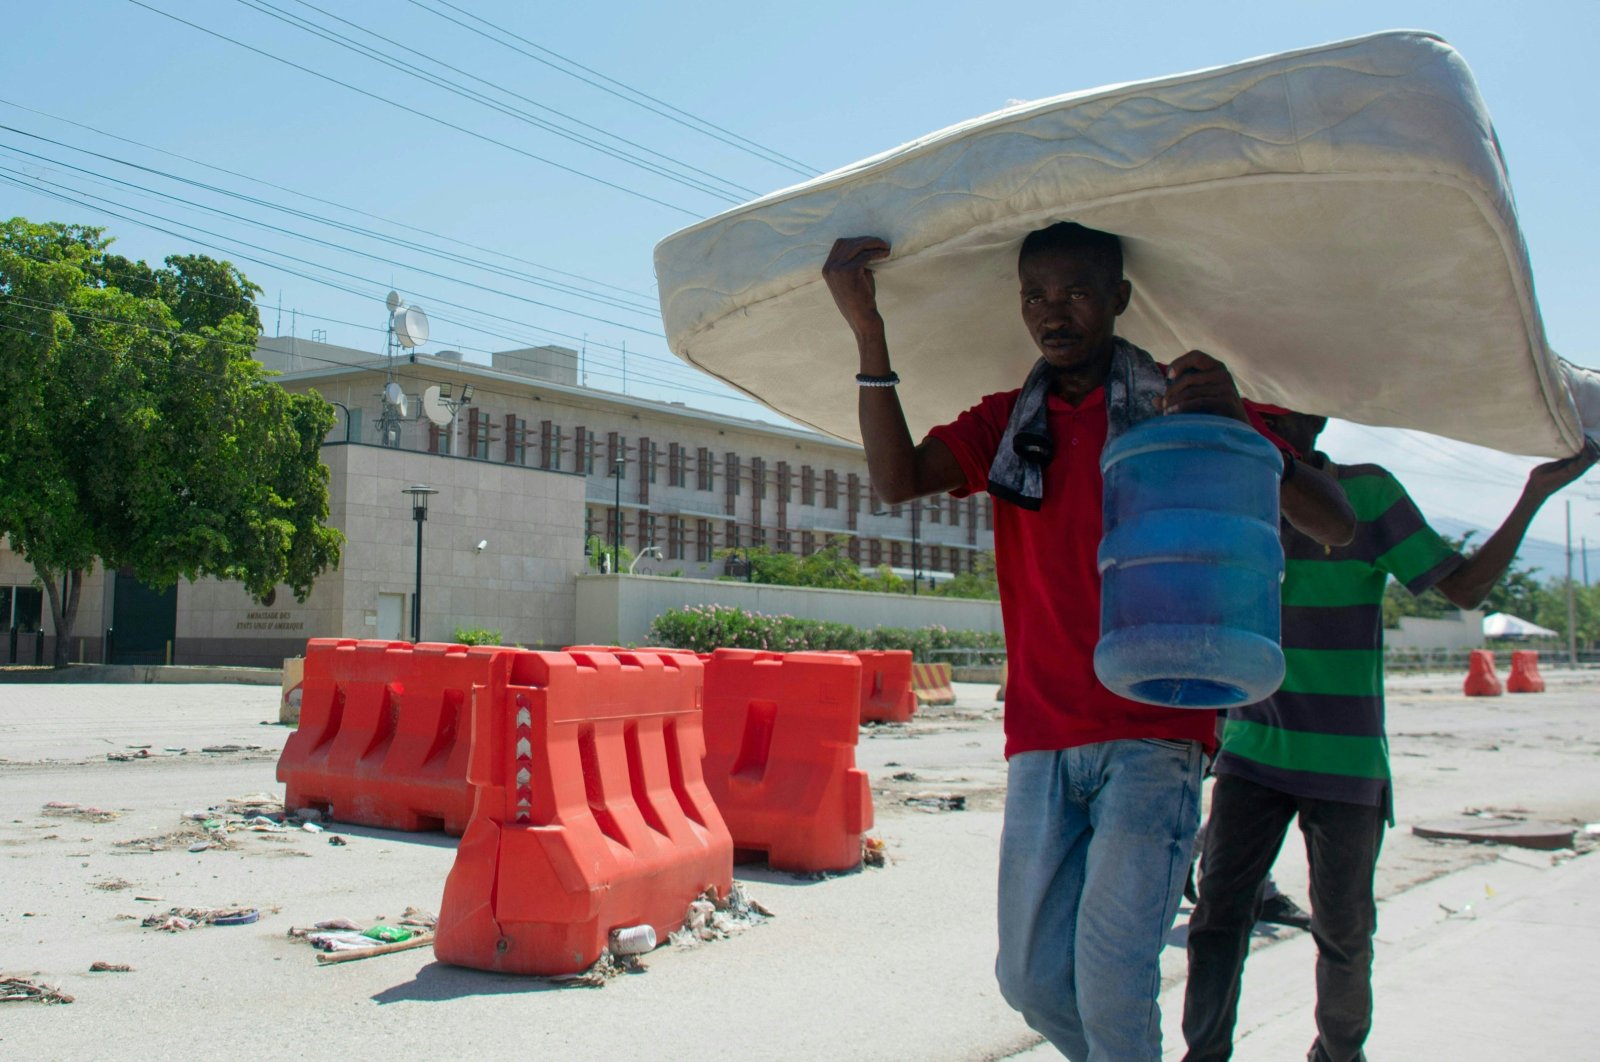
(595, 547)
(980, 582)
(1550, 610)
(137, 430)
(829, 567)
(1518, 592)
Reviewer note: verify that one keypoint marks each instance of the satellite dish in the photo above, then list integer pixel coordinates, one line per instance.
(393, 395)
(433, 407)
(394, 301)
(410, 326)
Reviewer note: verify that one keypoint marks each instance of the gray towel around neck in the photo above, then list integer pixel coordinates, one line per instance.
(1017, 473)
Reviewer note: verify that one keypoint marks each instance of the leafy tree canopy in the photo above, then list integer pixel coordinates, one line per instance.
(830, 567)
(137, 430)
(1517, 592)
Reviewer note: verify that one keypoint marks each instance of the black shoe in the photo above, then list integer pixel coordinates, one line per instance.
(1282, 911)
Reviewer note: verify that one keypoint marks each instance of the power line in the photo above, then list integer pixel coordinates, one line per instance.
(76, 342)
(1479, 474)
(342, 41)
(326, 202)
(325, 243)
(665, 110)
(670, 364)
(420, 114)
(517, 95)
(324, 281)
(399, 370)
(667, 363)
(606, 300)
(656, 380)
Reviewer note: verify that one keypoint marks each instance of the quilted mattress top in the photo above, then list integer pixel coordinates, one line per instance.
(1335, 223)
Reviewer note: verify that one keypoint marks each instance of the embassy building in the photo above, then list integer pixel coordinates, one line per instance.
(531, 467)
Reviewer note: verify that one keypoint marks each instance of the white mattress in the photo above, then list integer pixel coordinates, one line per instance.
(1335, 223)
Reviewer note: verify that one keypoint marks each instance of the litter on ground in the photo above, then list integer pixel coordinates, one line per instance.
(177, 919)
(23, 990)
(937, 802)
(714, 918)
(63, 809)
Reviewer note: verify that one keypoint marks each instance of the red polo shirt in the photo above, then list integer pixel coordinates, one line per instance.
(1047, 565)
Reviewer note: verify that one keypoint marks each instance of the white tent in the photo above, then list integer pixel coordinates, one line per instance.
(1505, 625)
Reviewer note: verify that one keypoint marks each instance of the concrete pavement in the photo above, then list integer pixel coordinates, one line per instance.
(1490, 963)
(885, 964)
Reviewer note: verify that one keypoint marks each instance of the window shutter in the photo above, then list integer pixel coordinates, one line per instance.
(646, 471)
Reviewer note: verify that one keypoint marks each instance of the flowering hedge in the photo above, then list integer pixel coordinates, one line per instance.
(703, 628)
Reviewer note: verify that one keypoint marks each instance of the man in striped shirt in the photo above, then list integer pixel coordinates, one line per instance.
(1317, 747)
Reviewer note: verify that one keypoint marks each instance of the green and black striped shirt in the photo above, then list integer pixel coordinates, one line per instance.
(1322, 734)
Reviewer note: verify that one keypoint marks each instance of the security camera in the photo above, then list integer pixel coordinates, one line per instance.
(483, 544)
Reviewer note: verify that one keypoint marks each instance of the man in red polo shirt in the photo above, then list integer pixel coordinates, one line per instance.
(1102, 793)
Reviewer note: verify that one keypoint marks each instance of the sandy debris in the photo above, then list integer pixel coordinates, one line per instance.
(25, 990)
(716, 918)
(63, 809)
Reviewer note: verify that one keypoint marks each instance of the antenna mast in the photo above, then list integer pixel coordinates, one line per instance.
(408, 328)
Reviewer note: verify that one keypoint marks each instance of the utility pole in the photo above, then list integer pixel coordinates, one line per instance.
(616, 534)
(1572, 607)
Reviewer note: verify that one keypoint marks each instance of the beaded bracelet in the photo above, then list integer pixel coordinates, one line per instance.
(892, 380)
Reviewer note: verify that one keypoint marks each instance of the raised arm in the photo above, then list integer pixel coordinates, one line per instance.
(1315, 504)
(1468, 585)
(1309, 498)
(901, 470)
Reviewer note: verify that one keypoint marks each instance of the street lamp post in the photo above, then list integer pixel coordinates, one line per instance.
(916, 534)
(419, 512)
(617, 468)
(916, 552)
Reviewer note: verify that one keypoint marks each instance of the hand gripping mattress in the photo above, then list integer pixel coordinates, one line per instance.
(1336, 224)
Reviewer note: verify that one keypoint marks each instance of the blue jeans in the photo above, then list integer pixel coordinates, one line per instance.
(1092, 862)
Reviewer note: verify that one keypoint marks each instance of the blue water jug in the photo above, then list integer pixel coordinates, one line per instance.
(1191, 565)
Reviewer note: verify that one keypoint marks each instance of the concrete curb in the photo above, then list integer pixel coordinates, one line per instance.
(146, 673)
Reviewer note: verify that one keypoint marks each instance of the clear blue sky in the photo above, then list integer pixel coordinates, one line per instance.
(824, 83)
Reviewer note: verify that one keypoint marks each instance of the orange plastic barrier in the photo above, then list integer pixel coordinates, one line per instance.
(886, 695)
(931, 684)
(1481, 679)
(781, 731)
(382, 735)
(591, 814)
(1525, 677)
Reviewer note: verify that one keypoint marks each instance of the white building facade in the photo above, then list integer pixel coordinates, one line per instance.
(531, 468)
